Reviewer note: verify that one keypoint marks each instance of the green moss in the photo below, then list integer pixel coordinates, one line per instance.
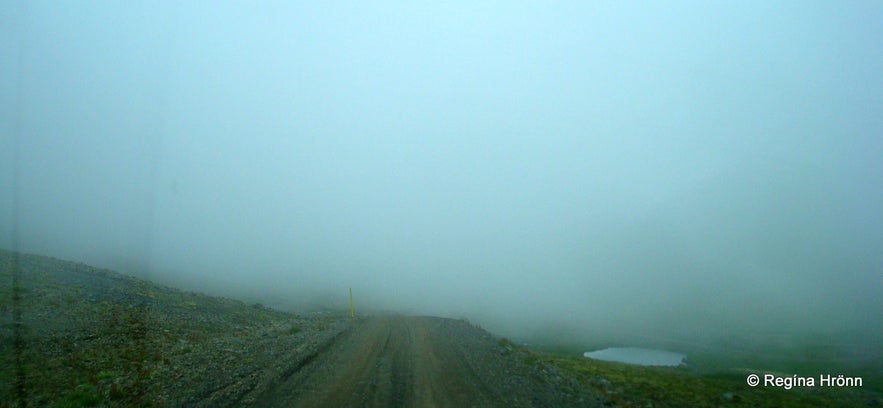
(116, 392)
(85, 395)
(531, 359)
(628, 385)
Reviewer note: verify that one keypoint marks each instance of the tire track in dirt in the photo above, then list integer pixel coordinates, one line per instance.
(398, 361)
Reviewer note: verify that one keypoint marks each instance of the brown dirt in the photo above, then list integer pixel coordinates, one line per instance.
(394, 361)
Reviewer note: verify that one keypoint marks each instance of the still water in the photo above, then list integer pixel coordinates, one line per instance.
(638, 356)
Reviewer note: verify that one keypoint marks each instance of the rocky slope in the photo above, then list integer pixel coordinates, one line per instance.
(90, 337)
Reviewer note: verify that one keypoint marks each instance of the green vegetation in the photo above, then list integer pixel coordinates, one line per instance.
(98, 338)
(506, 346)
(635, 386)
(85, 395)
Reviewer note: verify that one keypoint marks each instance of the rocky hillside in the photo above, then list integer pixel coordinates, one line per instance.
(91, 337)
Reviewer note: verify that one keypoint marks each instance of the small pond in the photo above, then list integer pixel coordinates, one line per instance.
(638, 356)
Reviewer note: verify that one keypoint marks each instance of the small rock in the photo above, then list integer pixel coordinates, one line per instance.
(730, 397)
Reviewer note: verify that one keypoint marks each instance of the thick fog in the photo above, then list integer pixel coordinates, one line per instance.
(658, 170)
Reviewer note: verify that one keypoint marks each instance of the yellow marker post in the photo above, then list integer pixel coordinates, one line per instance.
(352, 308)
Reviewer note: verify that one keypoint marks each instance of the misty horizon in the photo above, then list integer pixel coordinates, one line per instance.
(657, 170)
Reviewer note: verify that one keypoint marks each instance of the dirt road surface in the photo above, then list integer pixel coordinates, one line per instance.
(397, 361)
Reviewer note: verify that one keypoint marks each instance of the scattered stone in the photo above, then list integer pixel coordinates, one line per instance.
(731, 397)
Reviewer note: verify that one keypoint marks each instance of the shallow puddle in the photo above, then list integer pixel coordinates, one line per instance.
(638, 356)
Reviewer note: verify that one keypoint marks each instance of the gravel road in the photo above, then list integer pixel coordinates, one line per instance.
(392, 361)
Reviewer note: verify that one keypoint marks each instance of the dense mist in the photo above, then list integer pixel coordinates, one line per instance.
(677, 171)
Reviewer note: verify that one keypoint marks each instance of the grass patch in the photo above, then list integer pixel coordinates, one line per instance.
(506, 346)
(636, 386)
(85, 395)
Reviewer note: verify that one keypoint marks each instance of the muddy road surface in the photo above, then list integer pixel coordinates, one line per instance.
(397, 361)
